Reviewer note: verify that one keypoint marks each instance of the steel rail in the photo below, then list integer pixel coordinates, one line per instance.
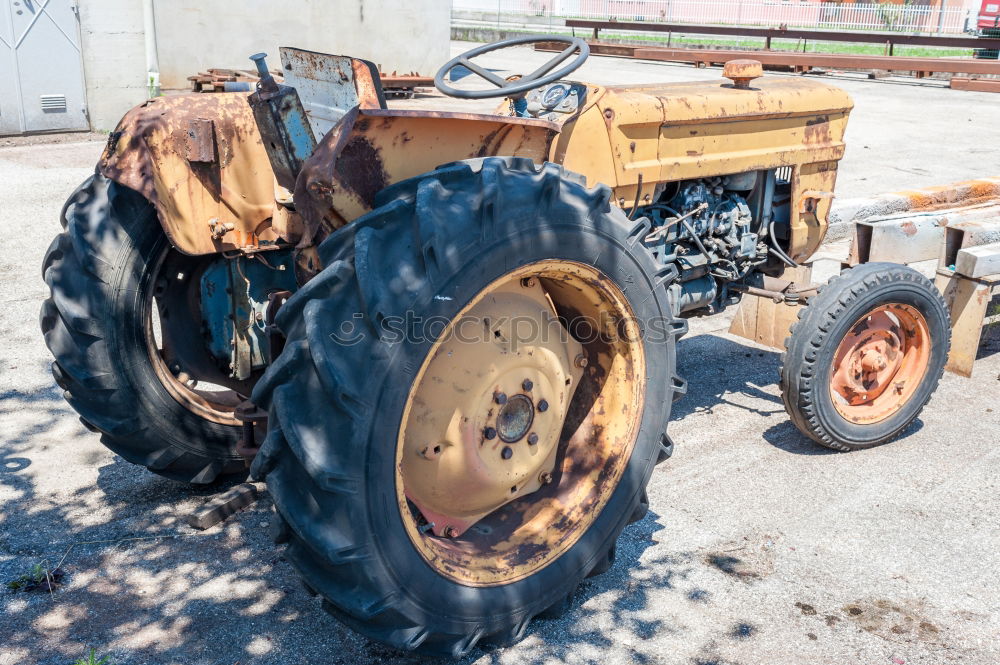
(891, 39)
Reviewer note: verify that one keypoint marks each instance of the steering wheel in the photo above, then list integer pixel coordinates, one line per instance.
(541, 76)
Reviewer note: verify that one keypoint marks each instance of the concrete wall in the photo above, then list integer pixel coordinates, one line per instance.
(400, 35)
(114, 59)
(193, 35)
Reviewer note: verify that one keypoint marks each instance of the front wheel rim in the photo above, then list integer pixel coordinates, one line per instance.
(880, 363)
(553, 425)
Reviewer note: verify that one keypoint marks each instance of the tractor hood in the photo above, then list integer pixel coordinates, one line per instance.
(683, 130)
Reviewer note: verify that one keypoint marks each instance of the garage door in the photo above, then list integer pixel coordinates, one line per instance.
(41, 69)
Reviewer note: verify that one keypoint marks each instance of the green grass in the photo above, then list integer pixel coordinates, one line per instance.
(91, 659)
(34, 577)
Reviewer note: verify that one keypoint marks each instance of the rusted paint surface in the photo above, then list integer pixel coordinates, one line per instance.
(463, 458)
(964, 193)
(596, 442)
(677, 131)
(371, 149)
(968, 300)
(153, 152)
(742, 71)
(880, 363)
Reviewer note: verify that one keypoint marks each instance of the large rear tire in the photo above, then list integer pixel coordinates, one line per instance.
(102, 275)
(342, 389)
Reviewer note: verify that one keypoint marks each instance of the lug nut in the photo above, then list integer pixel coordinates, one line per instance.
(532, 439)
(529, 282)
(450, 532)
(506, 453)
(545, 478)
(489, 433)
(499, 397)
(543, 406)
(527, 385)
(580, 361)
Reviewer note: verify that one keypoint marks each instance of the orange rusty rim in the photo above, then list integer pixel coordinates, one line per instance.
(473, 430)
(880, 363)
(211, 402)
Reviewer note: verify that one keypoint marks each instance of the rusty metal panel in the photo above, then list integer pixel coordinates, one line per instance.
(370, 149)
(201, 141)
(690, 130)
(330, 85)
(968, 302)
(149, 152)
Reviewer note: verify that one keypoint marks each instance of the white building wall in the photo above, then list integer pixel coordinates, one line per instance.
(192, 35)
(114, 59)
(401, 35)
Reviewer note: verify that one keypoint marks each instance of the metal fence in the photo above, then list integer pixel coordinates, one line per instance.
(885, 16)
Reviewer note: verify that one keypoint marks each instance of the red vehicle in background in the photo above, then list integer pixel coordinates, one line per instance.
(988, 25)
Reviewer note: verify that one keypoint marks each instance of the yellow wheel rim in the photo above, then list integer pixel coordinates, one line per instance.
(520, 423)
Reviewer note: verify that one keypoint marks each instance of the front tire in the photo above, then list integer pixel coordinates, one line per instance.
(338, 403)
(102, 275)
(865, 356)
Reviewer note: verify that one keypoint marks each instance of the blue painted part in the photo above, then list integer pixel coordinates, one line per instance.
(234, 297)
(521, 107)
(299, 131)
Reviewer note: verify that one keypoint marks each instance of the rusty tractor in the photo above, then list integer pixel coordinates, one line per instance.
(447, 340)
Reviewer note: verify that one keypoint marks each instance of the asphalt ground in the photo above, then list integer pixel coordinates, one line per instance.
(759, 547)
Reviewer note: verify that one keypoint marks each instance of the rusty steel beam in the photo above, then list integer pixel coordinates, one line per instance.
(796, 61)
(412, 81)
(807, 61)
(890, 38)
(974, 84)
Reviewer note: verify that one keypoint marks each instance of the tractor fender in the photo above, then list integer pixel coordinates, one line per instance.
(371, 149)
(200, 161)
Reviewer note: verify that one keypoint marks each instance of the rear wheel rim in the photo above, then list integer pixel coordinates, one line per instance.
(213, 403)
(551, 424)
(880, 363)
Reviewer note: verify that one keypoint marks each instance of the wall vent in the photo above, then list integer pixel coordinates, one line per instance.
(53, 103)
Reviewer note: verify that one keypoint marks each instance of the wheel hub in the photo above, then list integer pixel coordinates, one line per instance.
(515, 418)
(491, 413)
(880, 363)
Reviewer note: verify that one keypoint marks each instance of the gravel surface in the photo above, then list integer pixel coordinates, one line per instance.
(759, 547)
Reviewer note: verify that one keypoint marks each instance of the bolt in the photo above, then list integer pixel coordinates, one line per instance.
(543, 406)
(499, 397)
(527, 385)
(450, 532)
(545, 477)
(490, 433)
(580, 360)
(529, 282)
(608, 113)
(426, 527)
(532, 439)
(506, 453)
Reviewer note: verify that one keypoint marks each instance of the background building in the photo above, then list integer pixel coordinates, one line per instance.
(79, 64)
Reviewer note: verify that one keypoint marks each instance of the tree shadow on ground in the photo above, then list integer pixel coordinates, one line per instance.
(144, 587)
